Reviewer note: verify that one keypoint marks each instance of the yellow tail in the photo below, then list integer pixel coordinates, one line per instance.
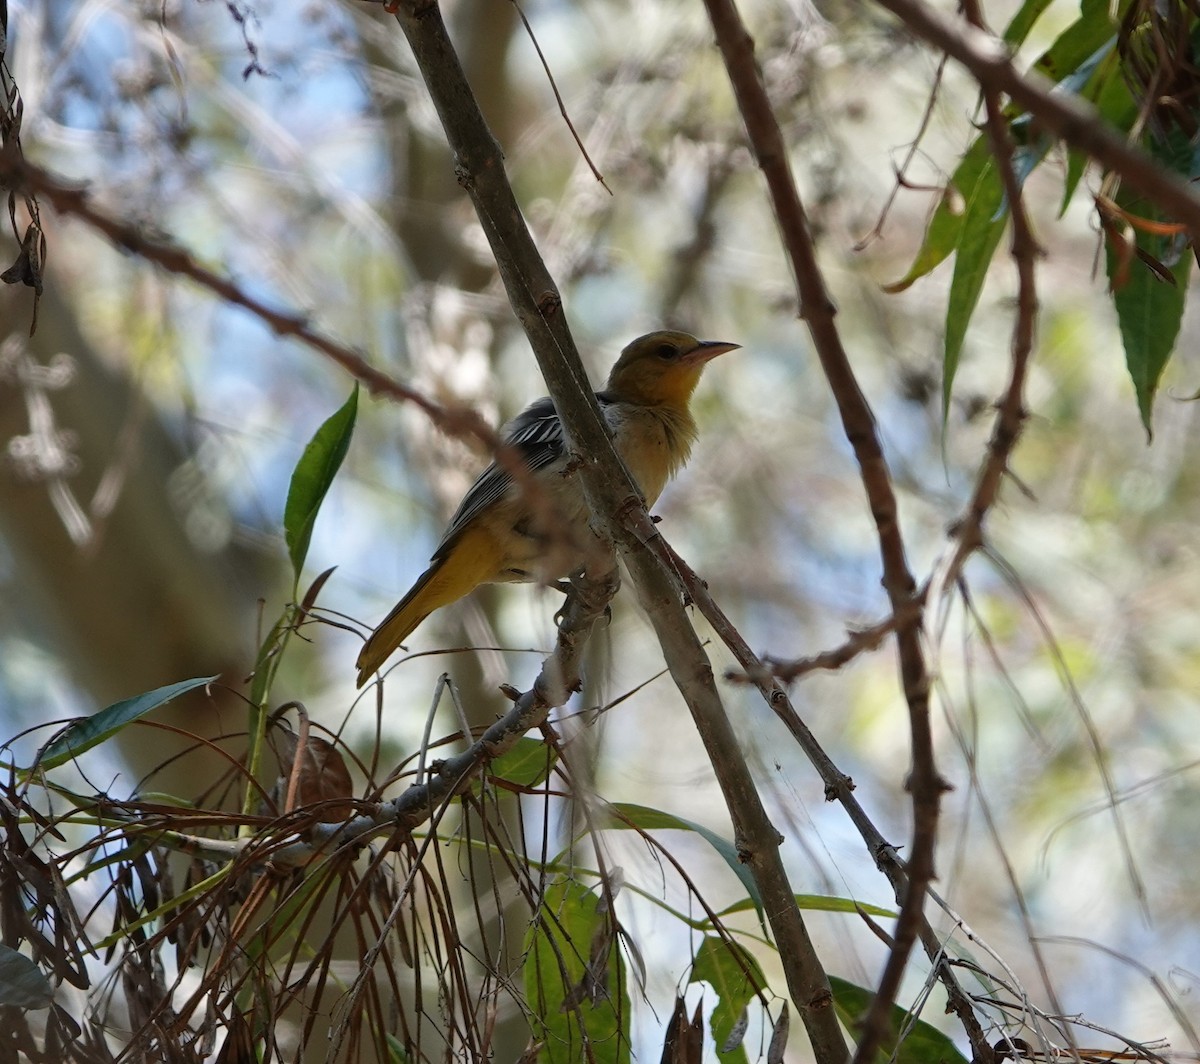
(473, 560)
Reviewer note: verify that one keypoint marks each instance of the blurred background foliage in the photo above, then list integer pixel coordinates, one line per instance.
(293, 147)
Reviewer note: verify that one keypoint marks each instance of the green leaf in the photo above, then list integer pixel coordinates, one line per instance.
(575, 981)
(1074, 47)
(312, 477)
(1086, 80)
(923, 1044)
(1022, 22)
(724, 965)
(945, 227)
(639, 816)
(1149, 309)
(397, 1052)
(1077, 163)
(1098, 11)
(1073, 56)
(823, 903)
(22, 983)
(980, 235)
(90, 731)
(1082, 81)
(527, 764)
(1110, 93)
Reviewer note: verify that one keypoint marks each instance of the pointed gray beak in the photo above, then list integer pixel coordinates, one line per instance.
(707, 350)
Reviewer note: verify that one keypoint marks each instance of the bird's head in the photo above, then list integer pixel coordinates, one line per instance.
(662, 367)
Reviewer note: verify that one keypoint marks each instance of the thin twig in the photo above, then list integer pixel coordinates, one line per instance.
(459, 421)
(860, 641)
(562, 107)
(558, 679)
(901, 170)
(1010, 416)
(18, 172)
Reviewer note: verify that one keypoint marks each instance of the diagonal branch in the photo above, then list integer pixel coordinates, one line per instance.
(18, 173)
(459, 421)
(858, 422)
(616, 506)
(838, 786)
(859, 640)
(1061, 113)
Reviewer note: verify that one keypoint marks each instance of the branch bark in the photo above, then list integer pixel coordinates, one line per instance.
(1061, 113)
(858, 422)
(838, 786)
(616, 505)
(18, 173)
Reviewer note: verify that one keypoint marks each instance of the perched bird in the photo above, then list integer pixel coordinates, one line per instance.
(497, 536)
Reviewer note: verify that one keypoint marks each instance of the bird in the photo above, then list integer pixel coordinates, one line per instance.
(497, 535)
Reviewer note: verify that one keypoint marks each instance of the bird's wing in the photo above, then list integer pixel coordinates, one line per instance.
(537, 436)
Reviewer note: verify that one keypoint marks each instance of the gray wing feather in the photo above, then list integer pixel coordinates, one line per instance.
(537, 435)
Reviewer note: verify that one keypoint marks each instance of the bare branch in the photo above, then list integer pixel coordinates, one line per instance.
(562, 107)
(838, 786)
(17, 172)
(860, 641)
(858, 422)
(1061, 113)
(616, 505)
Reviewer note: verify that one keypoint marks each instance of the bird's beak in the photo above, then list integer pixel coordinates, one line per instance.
(706, 350)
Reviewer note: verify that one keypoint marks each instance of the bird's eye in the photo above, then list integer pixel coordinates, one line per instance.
(666, 351)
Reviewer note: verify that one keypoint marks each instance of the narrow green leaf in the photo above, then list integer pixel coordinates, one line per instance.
(91, 731)
(397, 1051)
(923, 1044)
(290, 913)
(1086, 81)
(1103, 11)
(1109, 91)
(724, 965)
(1084, 78)
(312, 477)
(196, 890)
(980, 235)
(575, 980)
(1022, 22)
(1074, 47)
(820, 903)
(527, 764)
(639, 816)
(1077, 164)
(22, 983)
(1149, 309)
(944, 229)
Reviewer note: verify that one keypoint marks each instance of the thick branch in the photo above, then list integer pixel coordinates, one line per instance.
(615, 503)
